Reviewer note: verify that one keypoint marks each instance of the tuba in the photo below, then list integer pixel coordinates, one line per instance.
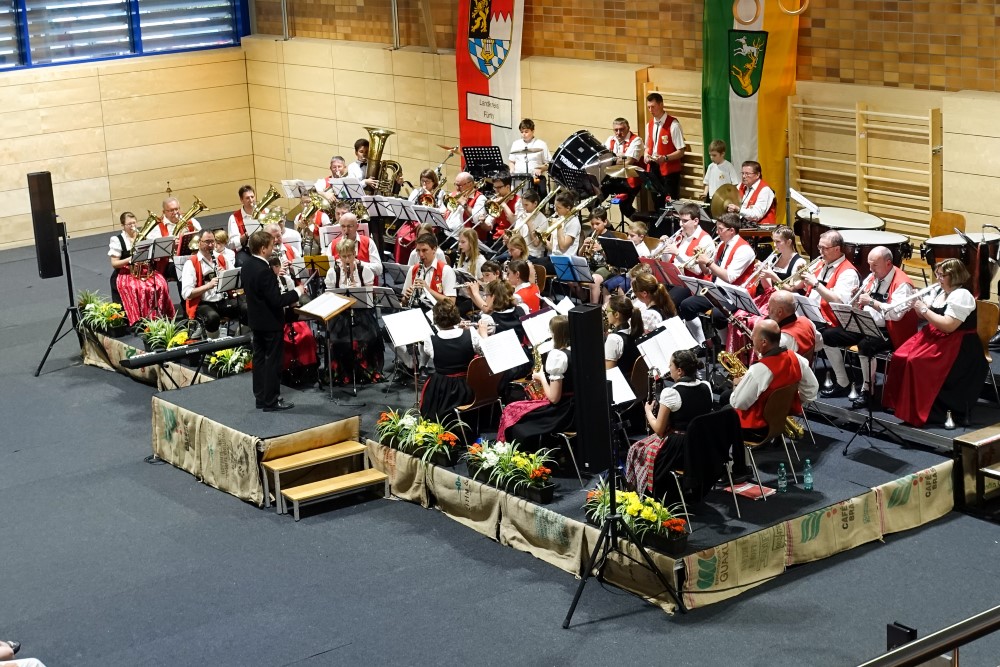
(384, 171)
(269, 197)
(138, 270)
(731, 362)
(197, 207)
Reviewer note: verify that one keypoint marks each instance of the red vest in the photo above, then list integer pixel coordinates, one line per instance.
(824, 307)
(771, 216)
(747, 272)
(530, 297)
(666, 146)
(360, 247)
(163, 228)
(240, 225)
(435, 281)
(802, 330)
(613, 141)
(901, 330)
(501, 223)
(191, 305)
(785, 370)
(699, 235)
(481, 230)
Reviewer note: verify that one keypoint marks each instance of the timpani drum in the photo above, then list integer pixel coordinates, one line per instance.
(579, 164)
(859, 242)
(809, 227)
(978, 257)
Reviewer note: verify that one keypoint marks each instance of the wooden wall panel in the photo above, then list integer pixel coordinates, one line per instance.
(178, 153)
(186, 177)
(178, 128)
(166, 105)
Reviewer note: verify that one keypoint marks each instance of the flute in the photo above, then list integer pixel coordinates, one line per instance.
(913, 297)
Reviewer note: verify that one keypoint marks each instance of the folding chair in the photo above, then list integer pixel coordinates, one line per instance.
(776, 410)
(484, 385)
(987, 319)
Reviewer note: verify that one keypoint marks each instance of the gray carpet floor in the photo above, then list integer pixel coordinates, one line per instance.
(107, 560)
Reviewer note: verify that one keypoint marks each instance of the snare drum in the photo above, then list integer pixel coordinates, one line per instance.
(858, 243)
(809, 227)
(975, 256)
(581, 152)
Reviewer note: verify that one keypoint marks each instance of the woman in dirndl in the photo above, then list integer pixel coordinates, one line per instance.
(144, 295)
(451, 350)
(688, 398)
(357, 349)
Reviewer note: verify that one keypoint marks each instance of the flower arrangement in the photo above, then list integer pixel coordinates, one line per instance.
(103, 315)
(644, 515)
(160, 333)
(230, 362)
(413, 434)
(506, 466)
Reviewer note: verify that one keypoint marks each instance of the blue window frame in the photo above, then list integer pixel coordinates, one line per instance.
(49, 32)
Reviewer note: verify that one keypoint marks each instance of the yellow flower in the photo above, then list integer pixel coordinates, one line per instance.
(648, 514)
(633, 510)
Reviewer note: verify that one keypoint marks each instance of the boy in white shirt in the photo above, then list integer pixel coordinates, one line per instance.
(720, 171)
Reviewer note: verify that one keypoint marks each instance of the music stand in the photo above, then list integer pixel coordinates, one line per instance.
(664, 272)
(324, 308)
(483, 161)
(810, 310)
(295, 188)
(318, 263)
(581, 183)
(697, 285)
(620, 253)
(571, 269)
(229, 280)
(406, 328)
(860, 322)
(394, 275)
(739, 297)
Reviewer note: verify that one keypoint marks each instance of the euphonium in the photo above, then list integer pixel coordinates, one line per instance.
(268, 199)
(731, 362)
(197, 207)
(138, 270)
(384, 171)
(534, 389)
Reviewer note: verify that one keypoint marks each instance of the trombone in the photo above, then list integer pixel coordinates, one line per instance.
(494, 207)
(451, 199)
(546, 234)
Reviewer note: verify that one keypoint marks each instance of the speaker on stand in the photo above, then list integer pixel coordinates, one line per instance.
(48, 232)
(590, 393)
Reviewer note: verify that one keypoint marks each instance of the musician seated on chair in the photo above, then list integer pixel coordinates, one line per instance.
(798, 333)
(564, 240)
(625, 325)
(680, 249)
(627, 147)
(450, 349)
(884, 286)
(225, 256)
(592, 250)
(835, 280)
(720, 170)
(471, 209)
(775, 368)
(757, 202)
(199, 289)
(430, 280)
(367, 251)
(286, 251)
(509, 210)
(529, 222)
(476, 289)
(141, 289)
(338, 169)
(526, 292)
(311, 229)
(732, 263)
(637, 235)
(236, 227)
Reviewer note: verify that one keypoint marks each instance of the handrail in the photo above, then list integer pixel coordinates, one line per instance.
(933, 645)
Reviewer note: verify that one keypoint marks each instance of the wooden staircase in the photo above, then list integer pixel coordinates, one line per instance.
(323, 489)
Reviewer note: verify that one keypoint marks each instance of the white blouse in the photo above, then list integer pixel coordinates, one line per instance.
(556, 365)
(670, 398)
(959, 304)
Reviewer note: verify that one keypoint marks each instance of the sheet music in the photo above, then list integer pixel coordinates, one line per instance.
(741, 297)
(621, 390)
(294, 189)
(325, 305)
(536, 326)
(809, 309)
(658, 347)
(163, 247)
(428, 215)
(564, 306)
(805, 203)
(695, 285)
(362, 295)
(408, 326)
(503, 351)
(141, 251)
(229, 280)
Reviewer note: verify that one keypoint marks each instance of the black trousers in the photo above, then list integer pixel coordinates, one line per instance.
(664, 186)
(837, 337)
(694, 305)
(621, 186)
(268, 351)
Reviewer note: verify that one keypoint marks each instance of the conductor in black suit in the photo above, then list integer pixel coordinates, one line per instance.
(265, 313)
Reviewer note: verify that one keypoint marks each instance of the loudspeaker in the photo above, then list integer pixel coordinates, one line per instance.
(591, 388)
(43, 219)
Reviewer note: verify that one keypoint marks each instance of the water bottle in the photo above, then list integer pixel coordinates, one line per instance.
(807, 476)
(782, 479)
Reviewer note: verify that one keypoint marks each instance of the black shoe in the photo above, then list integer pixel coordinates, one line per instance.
(860, 402)
(14, 646)
(279, 406)
(836, 391)
(995, 341)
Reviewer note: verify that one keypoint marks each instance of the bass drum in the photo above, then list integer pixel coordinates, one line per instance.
(858, 243)
(809, 227)
(579, 164)
(979, 257)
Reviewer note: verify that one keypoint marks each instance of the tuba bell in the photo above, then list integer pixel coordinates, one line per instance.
(269, 197)
(197, 207)
(384, 171)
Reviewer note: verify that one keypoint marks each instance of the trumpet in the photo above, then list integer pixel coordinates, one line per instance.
(698, 252)
(866, 288)
(673, 240)
(767, 264)
(797, 275)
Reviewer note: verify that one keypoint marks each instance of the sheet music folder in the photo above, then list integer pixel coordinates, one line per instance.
(326, 306)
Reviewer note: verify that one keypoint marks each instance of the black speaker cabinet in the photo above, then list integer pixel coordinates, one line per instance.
(590, 386)
(43, 219)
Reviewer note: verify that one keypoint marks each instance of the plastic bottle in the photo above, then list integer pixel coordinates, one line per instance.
(782, 479)
(807, 476)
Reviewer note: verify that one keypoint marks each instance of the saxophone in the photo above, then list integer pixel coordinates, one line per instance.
(533, 388)
(736, 369)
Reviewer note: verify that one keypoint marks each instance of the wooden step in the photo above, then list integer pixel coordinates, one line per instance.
(991, 471)
(334, 486)
(315, 456)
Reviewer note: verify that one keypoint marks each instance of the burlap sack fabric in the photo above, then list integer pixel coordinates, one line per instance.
(833, 529)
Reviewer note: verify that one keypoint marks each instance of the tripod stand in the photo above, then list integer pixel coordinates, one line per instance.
(613, 529)
(869, 425)
(72, 310)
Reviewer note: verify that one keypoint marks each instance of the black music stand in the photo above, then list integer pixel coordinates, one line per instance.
(615, 528)
(483, 161)
(858, 321)
(620, 253)
(581, 183)
(394, 275)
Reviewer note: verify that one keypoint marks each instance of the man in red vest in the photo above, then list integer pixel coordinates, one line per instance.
(798, 333)
(238, 228)
(884, 286)
(775, 368)
(199, 287)
(367, 251)
(664, 152)
(627, 147)
(834, 281)
(757, 202)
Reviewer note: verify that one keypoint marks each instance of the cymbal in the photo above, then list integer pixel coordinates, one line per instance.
(726, 194)
(526, 151)
(624, 171)
(450, 149)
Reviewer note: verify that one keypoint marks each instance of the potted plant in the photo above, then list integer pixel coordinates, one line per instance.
(101, 315)
(656, 524)
(394, 426)
(230, 362)
(483, 456)
(160, 333)
(525, 474)
(434, 443)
